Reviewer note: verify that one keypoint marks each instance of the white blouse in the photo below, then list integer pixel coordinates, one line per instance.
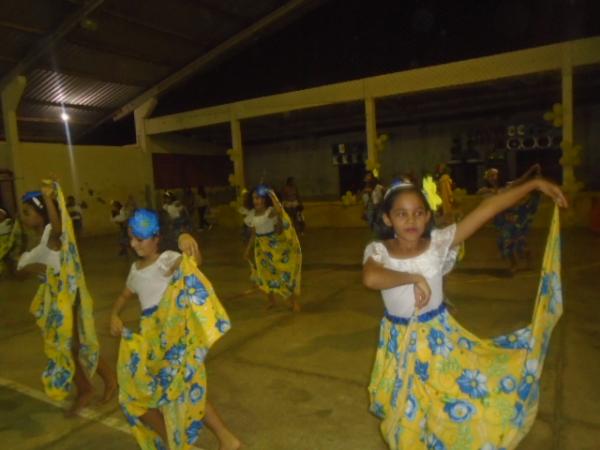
(433, 264)
(150, 283)
(263, 224)
(41, 254)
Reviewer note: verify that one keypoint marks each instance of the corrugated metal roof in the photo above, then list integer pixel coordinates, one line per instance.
(29, 110)
(53, 87)
(104, 65)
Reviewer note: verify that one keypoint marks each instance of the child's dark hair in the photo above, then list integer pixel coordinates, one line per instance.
(382, 231)
(37, 203)
(250, 203)
(166, 238)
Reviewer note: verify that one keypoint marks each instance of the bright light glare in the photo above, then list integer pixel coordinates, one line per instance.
(64, 117)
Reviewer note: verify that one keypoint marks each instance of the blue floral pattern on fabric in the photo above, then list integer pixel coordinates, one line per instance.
(411, 407)
(196, 393)
(193, 431)
(439, 343)
(433, 443)
(422, 370)
(466, 343)
(134, 361)
(175, 354)
(195, 290)
(529, 378)
(473, 383)
(519, 417)
(518, 339)
(459, 410)
(508, 384)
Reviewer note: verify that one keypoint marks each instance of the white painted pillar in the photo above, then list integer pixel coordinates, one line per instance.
(567, 105)
(371, 129)
(11, 97)
(143, 140)
(237, 154)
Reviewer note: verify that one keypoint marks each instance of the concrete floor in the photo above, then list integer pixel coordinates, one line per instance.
(298, 382)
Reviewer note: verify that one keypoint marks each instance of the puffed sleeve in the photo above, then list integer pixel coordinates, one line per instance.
(376, 251)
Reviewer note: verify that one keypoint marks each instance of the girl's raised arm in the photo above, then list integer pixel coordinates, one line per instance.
(491, 206)
(48, 194)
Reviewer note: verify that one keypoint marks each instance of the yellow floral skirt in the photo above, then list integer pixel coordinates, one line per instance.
(437, 386)
(278, 261)
(162, 366)
(62, 294)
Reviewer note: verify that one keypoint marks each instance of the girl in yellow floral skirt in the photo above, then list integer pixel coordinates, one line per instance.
(434, 384)
(274, 249)
(161, 373)
(62, 306)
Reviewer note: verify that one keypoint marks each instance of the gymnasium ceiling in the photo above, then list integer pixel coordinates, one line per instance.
(91, 58)
(105, 54)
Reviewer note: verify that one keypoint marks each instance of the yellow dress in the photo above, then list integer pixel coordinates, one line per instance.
(437, 386)
(162, 366)
(52, 308)
(277, 260)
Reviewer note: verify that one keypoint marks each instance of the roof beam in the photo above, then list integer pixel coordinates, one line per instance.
(244, 37)
(19, 27)
(148, 26)
(461, 73)
(94, 46)
(50, 40)
(75, 73)
(50, 120)
(63, 105)
(217, 10)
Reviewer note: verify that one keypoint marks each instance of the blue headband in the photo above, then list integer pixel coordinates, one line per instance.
(144, 224)
(262, 190)
(33, 196)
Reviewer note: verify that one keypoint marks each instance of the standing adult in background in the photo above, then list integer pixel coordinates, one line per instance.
(172, 206)
(202, 205)
(189, 204)
(372, 195)
(175, 219)
(119, 216)
(292, 204)
(130, 205)
(74, 211)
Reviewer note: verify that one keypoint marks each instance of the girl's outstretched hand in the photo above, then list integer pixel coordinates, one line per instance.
(189, 246)
(552, 191)
(47, 188)
(422, 292)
